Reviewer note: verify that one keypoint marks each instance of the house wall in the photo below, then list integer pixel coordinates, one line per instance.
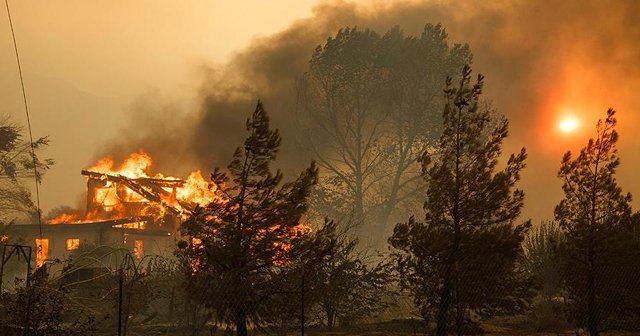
(91, 235)
(163, 245)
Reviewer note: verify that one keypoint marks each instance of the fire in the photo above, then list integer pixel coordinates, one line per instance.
(42, 251)
(127, 196)
(128, 190)
(65, 218)
(197, 190)
(133, 167)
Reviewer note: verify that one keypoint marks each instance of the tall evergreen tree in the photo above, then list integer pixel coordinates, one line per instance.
(241, 242)
(466, 253)
(599, 249)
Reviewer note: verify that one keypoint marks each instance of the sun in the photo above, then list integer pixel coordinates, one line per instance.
(568, 125)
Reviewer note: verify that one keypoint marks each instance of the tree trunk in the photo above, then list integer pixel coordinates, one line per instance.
(592, 312)
(449, 279)
(331, 320)
(452, 260)
(425, 319)
(359, 200)
(459, 310)
(383, 221)
(241, 324)
(391, 203)
(172, 297)
(445, 301)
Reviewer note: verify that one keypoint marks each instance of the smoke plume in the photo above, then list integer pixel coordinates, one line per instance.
(540, 59)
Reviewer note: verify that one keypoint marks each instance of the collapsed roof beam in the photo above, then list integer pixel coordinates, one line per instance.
(138, 186)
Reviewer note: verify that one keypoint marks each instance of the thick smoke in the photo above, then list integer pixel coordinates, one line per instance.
(539, 58)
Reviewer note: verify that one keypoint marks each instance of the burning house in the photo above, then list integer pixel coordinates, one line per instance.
(125, 208)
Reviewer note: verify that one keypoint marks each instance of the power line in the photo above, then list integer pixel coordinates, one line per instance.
(26, 109)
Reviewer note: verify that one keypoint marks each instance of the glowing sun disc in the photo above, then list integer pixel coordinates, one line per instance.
(568, 125)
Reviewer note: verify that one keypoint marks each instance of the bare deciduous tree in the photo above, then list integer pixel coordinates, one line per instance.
(367, 107)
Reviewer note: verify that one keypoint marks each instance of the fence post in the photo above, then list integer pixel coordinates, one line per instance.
(302, 304)
(120, 304)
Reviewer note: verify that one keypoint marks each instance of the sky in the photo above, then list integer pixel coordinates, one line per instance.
(86, 63)
(178, 78)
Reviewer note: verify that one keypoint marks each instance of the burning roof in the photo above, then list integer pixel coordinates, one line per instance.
(127, 191)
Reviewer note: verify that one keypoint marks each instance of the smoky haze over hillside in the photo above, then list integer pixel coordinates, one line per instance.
(540, 59)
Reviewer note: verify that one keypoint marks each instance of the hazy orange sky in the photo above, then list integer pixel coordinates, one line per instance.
(85, 62)
(92, 67)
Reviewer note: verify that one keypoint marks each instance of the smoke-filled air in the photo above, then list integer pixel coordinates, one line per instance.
(292, 167)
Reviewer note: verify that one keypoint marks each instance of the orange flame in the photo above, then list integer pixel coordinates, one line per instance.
(197, 190)
(133, 167)
(65, 218)
(115, 200)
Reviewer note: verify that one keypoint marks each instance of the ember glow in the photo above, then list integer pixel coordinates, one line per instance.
(128, 190)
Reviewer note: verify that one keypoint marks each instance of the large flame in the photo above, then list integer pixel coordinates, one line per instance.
(117, 201)
(112, 197)
(197, 190)
(135, 166)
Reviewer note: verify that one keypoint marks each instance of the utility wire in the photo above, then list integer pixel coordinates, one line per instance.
(26, 109)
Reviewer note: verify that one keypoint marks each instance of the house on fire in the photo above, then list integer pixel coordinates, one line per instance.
(141, 215)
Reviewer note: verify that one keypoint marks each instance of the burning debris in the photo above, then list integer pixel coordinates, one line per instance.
(129, 196)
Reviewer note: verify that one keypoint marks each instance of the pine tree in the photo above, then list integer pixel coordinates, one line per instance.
(241, 242)
(466, 253)
(599, 248)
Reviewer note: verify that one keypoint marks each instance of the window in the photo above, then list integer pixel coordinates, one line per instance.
(42, 251)
(72, 244)
(138, 248)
